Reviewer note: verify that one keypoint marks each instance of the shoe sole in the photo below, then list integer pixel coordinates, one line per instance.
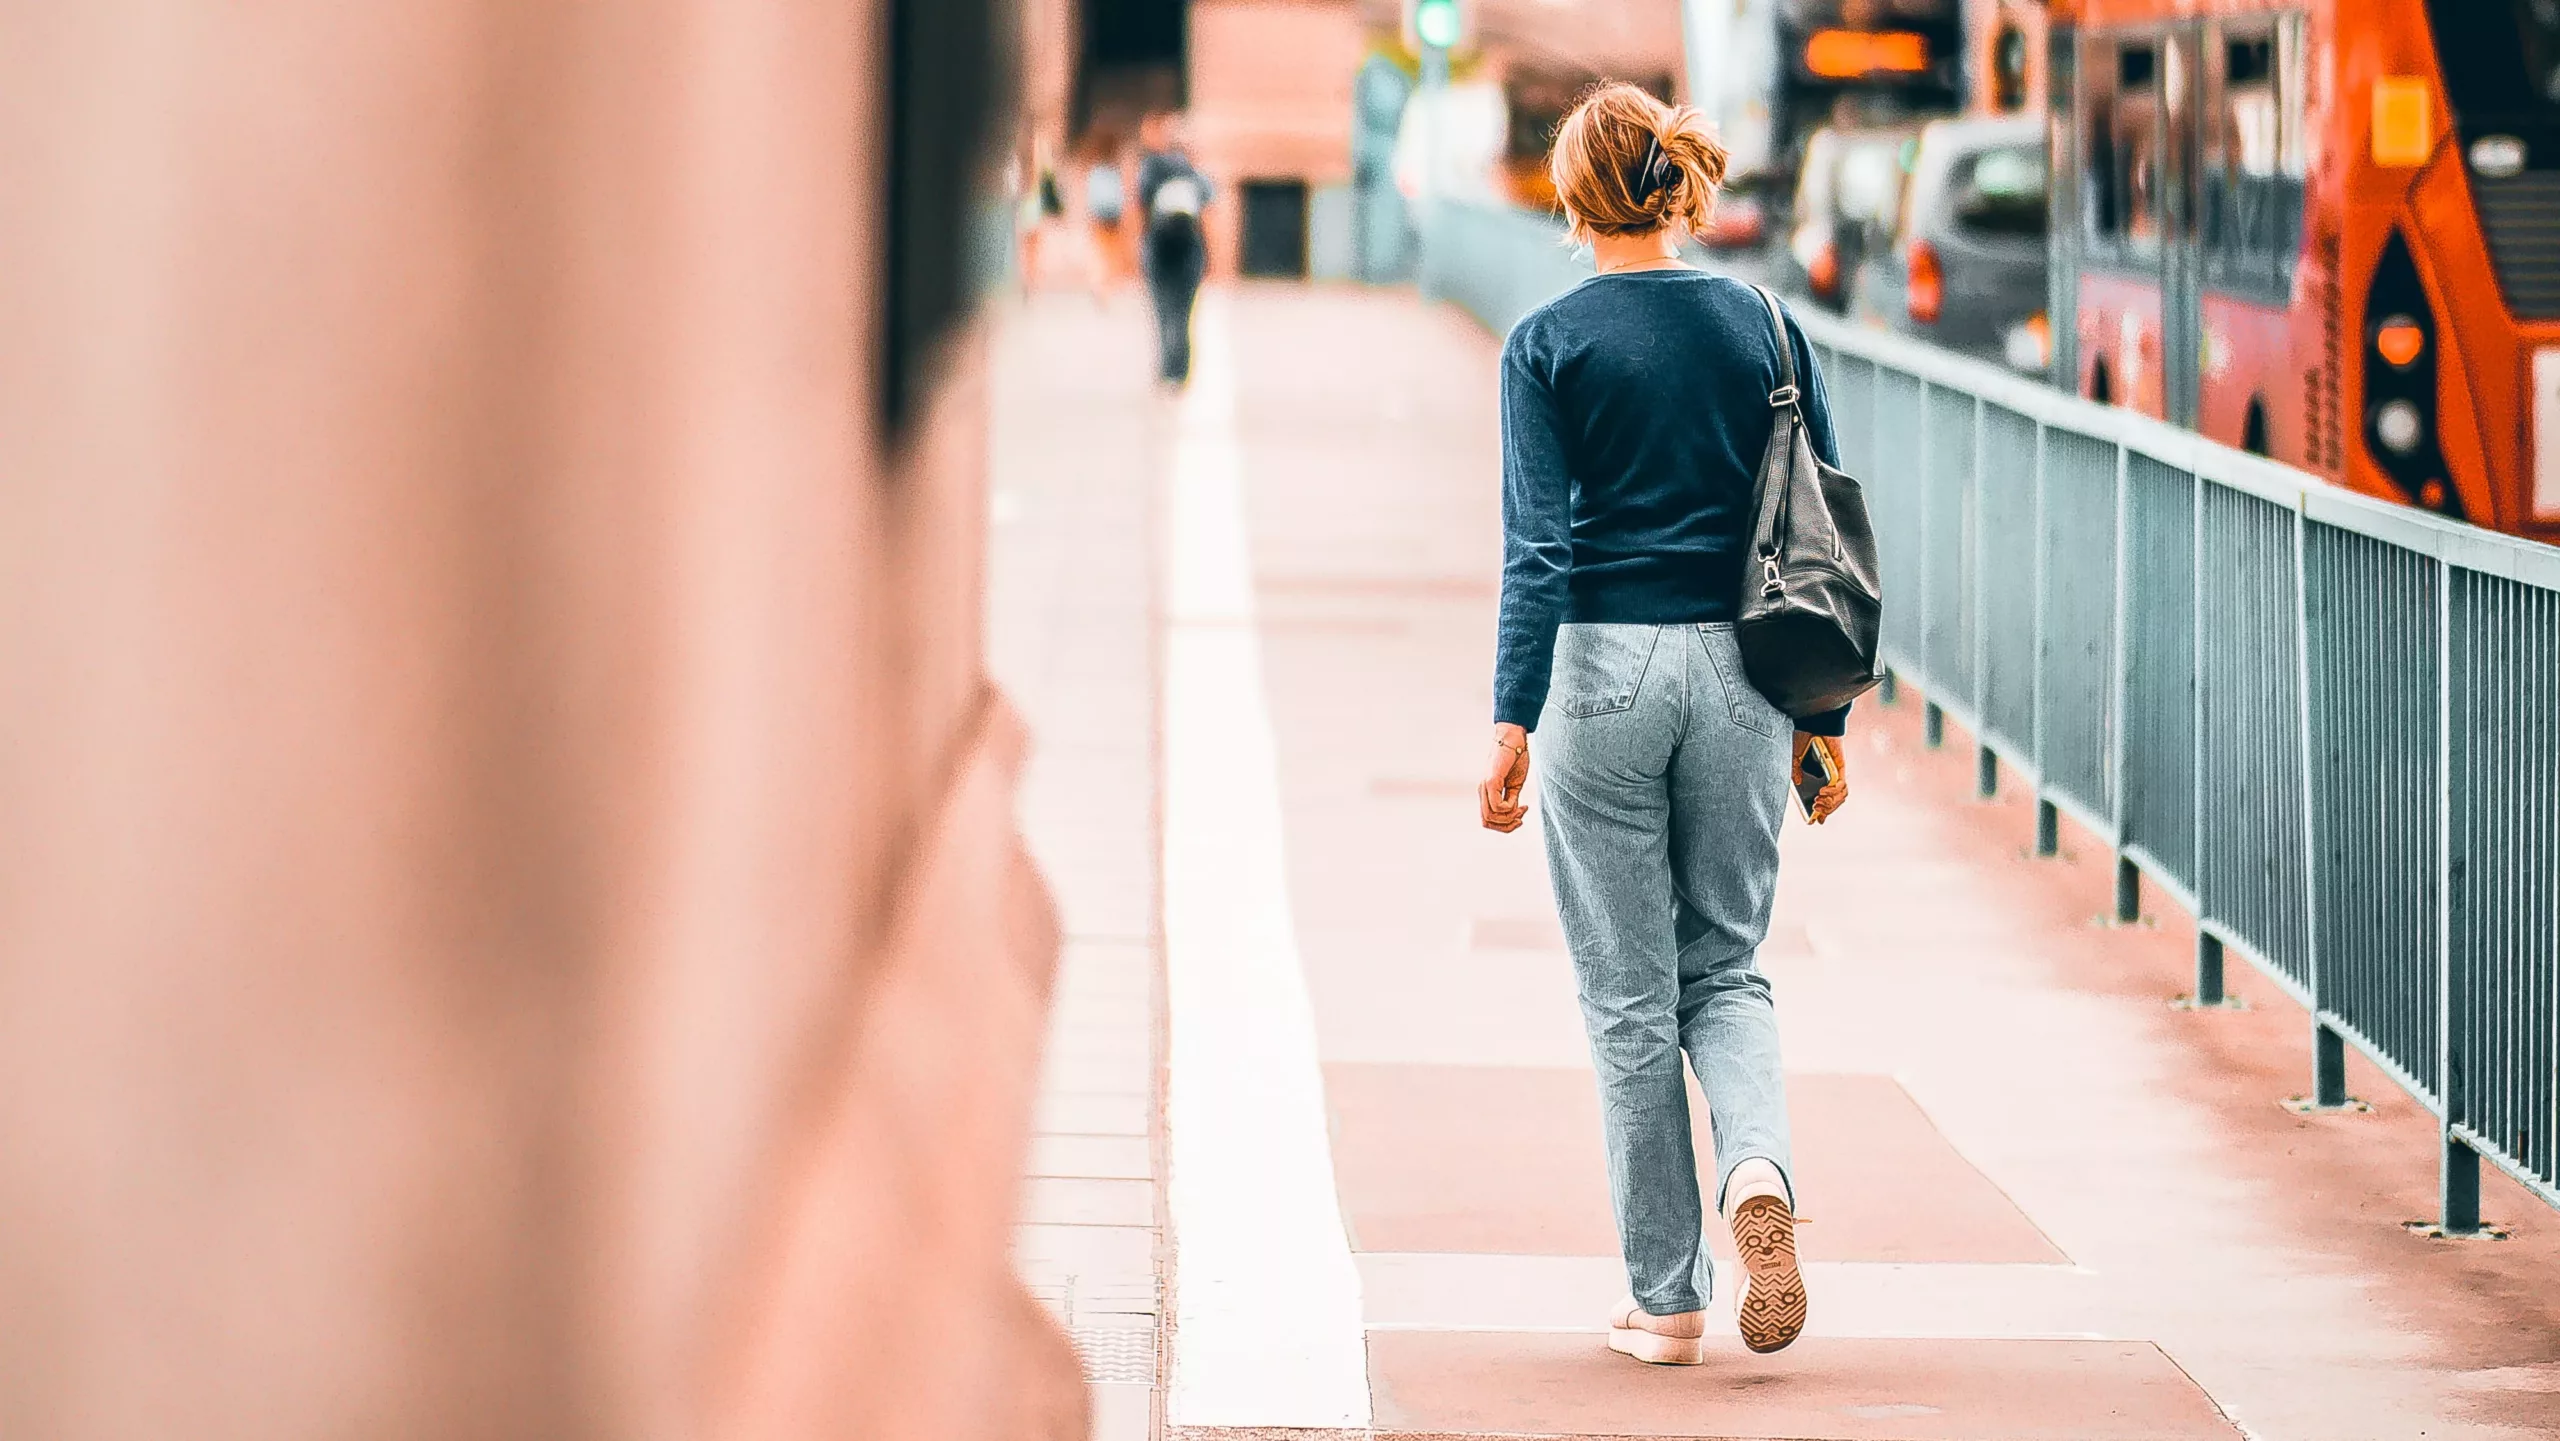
(1773, 1298)
(1655, 1349)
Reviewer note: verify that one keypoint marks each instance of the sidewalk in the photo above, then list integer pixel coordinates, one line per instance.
(2041, 1201)
(1071, 597)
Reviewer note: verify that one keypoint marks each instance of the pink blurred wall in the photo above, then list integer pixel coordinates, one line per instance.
(510, 917)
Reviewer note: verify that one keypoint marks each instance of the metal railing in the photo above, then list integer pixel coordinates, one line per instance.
(1499, 264)
(2328, 726)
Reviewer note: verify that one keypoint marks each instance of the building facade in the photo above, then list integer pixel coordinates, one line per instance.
(1270, 119)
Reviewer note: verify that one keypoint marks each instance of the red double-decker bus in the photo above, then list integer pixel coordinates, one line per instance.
(2325, 231)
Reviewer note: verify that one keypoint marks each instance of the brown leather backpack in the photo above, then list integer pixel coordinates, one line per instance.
(1812, 596)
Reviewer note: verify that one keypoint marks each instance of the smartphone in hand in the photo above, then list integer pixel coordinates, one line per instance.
(1813, 776)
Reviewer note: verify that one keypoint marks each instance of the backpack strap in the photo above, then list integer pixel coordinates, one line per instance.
(1786, 394)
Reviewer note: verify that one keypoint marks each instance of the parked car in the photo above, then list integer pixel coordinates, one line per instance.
(1846, 195)
(1966, 266)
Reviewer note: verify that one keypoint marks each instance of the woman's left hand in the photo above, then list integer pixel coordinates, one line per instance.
(1500, 799)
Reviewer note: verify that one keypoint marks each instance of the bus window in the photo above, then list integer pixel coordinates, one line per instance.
(2009, 70)
(2095, 145)
(2175, 178)
(2252, 157)
(2501, 58)
(2501, 65)
(2120, 186)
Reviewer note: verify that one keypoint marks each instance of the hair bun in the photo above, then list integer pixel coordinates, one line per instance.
(1624, 163)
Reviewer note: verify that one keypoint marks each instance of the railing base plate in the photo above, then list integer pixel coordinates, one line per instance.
(2306, 1106)
(2435, 1232)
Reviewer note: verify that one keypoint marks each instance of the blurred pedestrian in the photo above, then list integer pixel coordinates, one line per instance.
(1038, 204)
(1172, 195)
(1635, 411)
(1026, 226)
(1105, 207)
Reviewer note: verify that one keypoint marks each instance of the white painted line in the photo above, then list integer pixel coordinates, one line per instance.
(1267, 1322)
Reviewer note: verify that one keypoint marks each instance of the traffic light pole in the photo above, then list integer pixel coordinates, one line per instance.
(1705, 30)
(1434, 97)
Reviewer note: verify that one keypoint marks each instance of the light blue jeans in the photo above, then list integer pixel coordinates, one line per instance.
(1663, 780)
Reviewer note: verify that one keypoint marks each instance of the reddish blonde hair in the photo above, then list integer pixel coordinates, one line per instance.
(1624, 163)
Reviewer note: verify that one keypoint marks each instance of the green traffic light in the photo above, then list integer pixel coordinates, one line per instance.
(1435, 23)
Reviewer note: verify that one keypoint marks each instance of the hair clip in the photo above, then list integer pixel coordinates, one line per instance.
(1656, 174)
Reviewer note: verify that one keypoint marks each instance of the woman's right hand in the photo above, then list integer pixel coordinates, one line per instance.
(1501, 799)
(1828, 799)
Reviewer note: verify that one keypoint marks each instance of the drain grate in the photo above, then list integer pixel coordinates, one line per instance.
(1117, 1353)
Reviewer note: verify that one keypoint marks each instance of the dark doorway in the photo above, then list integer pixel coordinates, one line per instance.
(1275, 228)
(1135, 60)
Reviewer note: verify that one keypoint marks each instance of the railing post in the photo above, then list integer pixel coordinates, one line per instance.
(1888, 690)
(2045, 834)
(1432, 92)
(1987, 775)
(2459, 1178)
(2461, 1187)
(2328, 1067)
(2199, 876)
(1986, 772)
(2209, 989)
(1933, 722)
(2048, 829)
(1925, 490)
(2333, 1073)
(2120, 676)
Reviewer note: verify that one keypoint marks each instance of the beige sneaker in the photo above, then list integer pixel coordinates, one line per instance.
(1773, 1298)
(1659, 1340)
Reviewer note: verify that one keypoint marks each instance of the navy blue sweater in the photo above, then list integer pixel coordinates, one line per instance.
(1635, 409)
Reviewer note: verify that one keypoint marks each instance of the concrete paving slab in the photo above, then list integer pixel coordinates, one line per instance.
(1123, 1158)
(1086, 1201)
(1122, 1410)
(1109, 1253)
(1517, 1383)
(1938, 1300)
(1101, 1069)
(1507, 1159)
(1109, 1114)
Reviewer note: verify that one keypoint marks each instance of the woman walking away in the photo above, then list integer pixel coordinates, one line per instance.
(1635, 409)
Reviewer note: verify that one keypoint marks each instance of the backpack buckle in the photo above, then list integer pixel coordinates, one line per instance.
(1773, 585)
(1782, 397)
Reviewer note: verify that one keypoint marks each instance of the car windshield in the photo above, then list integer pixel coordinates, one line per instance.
(2000, 192)
(2501, 58)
